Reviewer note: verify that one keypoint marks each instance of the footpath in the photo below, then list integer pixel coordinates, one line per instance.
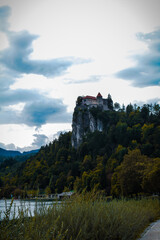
(152, 232)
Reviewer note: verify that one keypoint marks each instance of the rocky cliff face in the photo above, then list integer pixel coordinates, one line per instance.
(83, 122)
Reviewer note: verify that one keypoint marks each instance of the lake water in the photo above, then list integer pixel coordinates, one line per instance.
(29, 206)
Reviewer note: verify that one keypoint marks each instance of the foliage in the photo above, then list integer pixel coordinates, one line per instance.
(85, 217)
(136, 174)
(122, 160)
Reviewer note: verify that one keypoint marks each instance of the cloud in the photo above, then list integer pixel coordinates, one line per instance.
(91, 79)
(146, 72)
(57, 134)
(39, 140)
(45, 111)
(17, 57)
(14, 62)
(149, 101)
(11, 97)
(10, 146)
(5, 12)
(36, 112)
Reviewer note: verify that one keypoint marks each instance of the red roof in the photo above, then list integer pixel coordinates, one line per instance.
(99, 95)
(89, 97)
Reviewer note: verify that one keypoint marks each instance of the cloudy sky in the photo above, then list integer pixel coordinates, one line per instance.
(52, 51)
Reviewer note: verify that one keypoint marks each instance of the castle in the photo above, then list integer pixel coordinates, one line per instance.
(83, 120)
(90, 101)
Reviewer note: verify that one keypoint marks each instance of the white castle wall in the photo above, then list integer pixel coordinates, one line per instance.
(95, 102)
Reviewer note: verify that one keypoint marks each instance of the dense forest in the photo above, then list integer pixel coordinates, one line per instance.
(123, 160)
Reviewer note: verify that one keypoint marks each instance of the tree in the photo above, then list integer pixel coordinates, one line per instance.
(121, 133)
(70, 182)
(146, 149)
(115, 184)
(156, 109)
(145, 112)
(86, 179)
(123, 108)
(87, 163)
(147, 130)
(134, 133)
(129, 109)
(60, 183)
(78, 185)
(120, 152)
(98, 175)
(128, 176)
(116, 106)
(110, 102)
(79, 101)
(62, 154)
(151, 177)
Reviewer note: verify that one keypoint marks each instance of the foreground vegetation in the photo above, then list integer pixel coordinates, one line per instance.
(83, 218)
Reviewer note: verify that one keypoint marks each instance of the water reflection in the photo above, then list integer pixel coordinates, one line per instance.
(28, 207)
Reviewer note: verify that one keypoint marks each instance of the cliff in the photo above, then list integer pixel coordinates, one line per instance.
(84, 119)
(83, 123)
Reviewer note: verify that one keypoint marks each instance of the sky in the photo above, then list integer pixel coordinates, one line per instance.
(52, 51)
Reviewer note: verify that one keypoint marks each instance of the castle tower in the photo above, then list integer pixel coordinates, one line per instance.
(99, 95)
(99, 99)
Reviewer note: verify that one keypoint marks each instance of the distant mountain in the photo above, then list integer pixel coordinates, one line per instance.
(5, 154)
(30, 152)
(9, 153)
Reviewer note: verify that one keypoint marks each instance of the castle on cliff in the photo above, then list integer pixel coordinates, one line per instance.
(84, 121)
(90, 101)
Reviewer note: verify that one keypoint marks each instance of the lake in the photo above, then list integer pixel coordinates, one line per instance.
(25, 205)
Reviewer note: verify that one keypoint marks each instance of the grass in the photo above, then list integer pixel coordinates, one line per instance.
(83, 218)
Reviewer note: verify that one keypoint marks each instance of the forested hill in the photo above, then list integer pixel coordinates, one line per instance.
(123, 159)
(9, 153)
(6, 155)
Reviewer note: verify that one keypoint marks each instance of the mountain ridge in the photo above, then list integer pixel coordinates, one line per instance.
(13, 153)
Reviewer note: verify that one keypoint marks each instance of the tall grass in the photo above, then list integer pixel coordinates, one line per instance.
(83, 219)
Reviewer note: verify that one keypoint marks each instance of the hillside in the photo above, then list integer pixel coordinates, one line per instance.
(122, 159)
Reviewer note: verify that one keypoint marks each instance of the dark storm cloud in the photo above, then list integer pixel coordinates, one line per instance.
(38, 109)
(14, 62)
(147, 69)
(37, 112)
(45, 111)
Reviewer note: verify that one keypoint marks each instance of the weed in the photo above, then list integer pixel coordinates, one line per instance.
(83, 217)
